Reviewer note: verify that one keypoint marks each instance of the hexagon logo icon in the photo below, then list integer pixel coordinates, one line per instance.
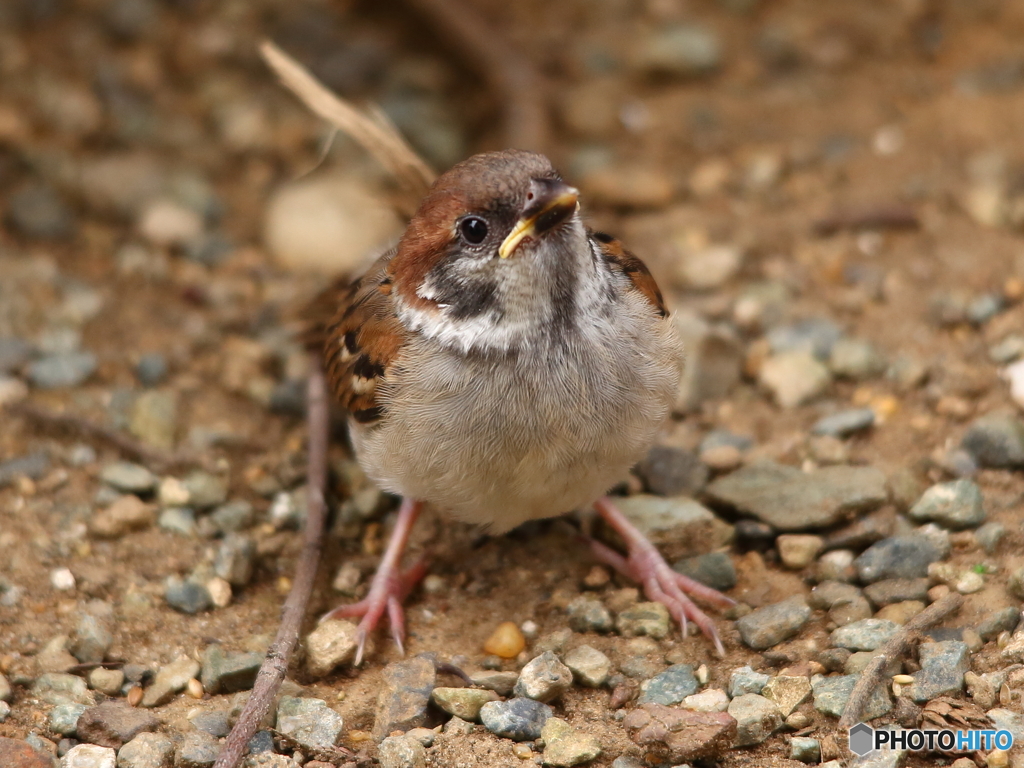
(862, 739)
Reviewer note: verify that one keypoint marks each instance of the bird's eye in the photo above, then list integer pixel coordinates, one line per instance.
(473, 229)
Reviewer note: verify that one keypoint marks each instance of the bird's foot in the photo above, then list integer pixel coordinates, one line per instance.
(644, 564)
(389, 588)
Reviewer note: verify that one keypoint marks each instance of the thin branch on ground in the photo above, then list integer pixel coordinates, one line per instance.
(518, 87)
(279, 655)
(91, 430)
(896, 648)
(880, 217)
(371, 129)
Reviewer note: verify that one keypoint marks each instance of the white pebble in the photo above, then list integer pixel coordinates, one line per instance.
(62, 579)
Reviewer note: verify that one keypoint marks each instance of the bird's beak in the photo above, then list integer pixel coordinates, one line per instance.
(549, 203)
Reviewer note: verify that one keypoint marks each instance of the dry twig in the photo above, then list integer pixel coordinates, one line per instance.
(882, 217)
(275, 666)
(519, 89)
(371, 130)
(897, 646)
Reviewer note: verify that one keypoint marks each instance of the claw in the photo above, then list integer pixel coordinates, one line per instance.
(388, 588)
(645, 565)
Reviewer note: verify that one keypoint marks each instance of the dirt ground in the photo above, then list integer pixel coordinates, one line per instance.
(813, 109)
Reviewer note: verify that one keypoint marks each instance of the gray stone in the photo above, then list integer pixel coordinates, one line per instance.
(187, 596)
(996, 441)
(67, 369)
(6, 693)
(114, 723)
(170, 679)
(831, 695)
(989, 535)
(401, 752)
(462, 702)
(14, 353)
(669, 471)
(228, 672)
(544, 678)
(770, 625)
(794, 378)
(589, 666)
(32, 466)
(404, 696)
(756, 717)
(197, 749)
(805, 749)
(516, 719)
(714, 569)
(205, 490)
(787, 692)
(61, 688)
(897, 557)
(310, 722)
(714, 361)
(864, 635)
(151, 369)
(235, 559)
(333, 643)
(651, 619)
(997, 622)
(829, 593)
(890, 591)
(180, 520)
(844, 423)
(88, 756)
(63, 718)
(815, 335)
(677, 525)
(216, 723)
(501, 683)
(586, 614)
(154, 418)
(680, 50)
(956, 504)
(37, 211)
(746, 680)
(1008, 720)
(942, 670)
(5, 711)
(92, 639)
(128, 478)
(670, 687)
(791, 500)
(856, 359)
(269, 760)
(146, 751)
(233, 517)
(564, 746)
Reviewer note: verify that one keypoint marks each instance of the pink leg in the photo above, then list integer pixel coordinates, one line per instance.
(645, 565)
(390, 585)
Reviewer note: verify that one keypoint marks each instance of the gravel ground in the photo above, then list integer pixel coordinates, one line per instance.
(831, 197)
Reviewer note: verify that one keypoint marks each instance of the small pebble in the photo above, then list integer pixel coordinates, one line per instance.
(516, 719)
(62, 579)
(506, 641)
(797, 551)
(544, 678)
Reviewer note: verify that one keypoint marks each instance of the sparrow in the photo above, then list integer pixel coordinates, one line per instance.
(504, 363)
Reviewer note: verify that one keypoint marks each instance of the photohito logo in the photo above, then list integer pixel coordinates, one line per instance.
(865, 739)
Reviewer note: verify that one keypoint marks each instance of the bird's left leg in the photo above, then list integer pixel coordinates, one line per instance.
(390, 585)
(644, 564)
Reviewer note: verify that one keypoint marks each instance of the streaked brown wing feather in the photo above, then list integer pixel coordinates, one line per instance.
(618, 258)
(361, 341)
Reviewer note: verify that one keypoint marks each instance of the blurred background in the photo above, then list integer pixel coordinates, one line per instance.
(832, 195)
